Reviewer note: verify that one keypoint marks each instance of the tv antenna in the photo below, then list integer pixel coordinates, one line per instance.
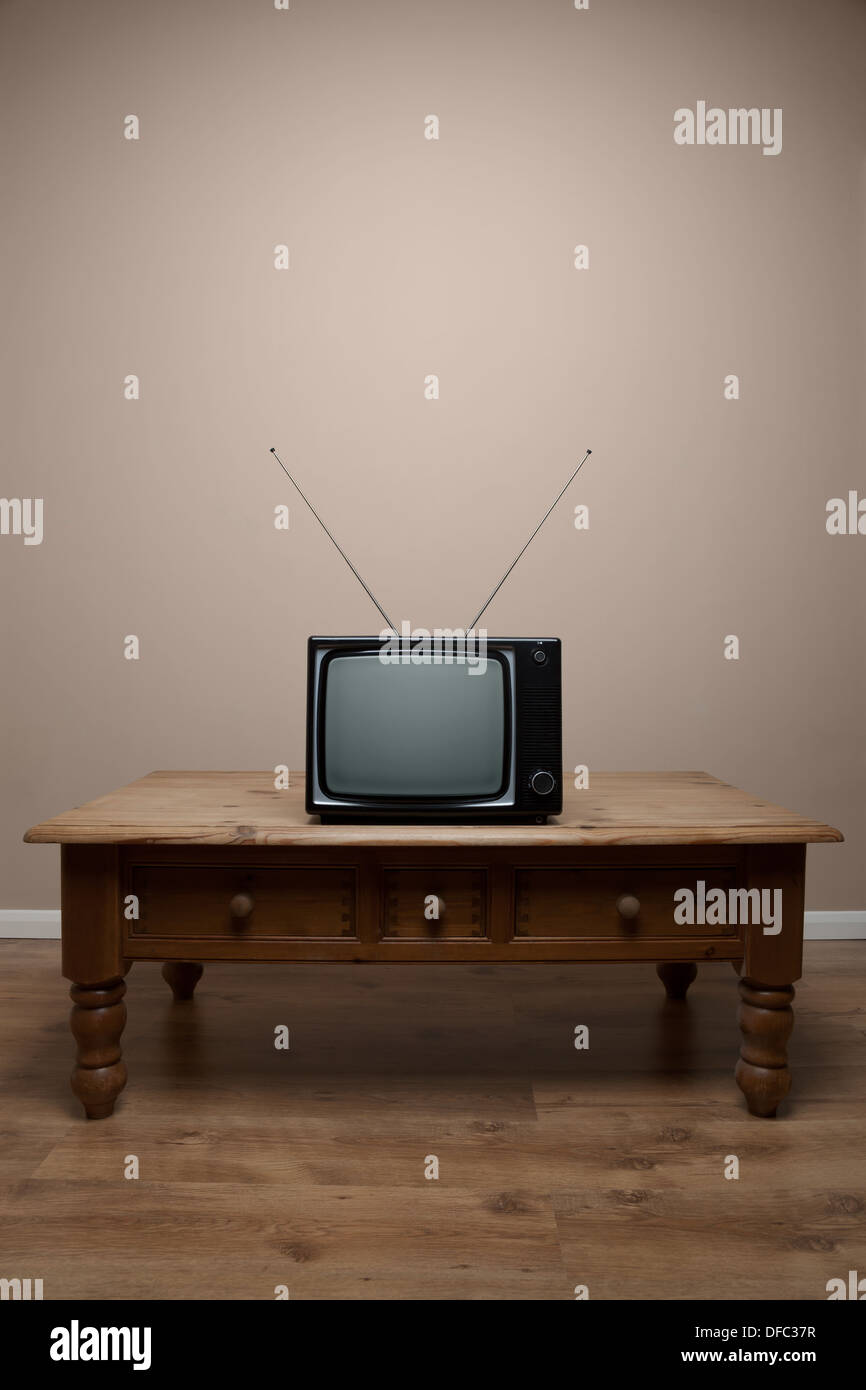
(364, 586)
(528, 543)
(367, 588)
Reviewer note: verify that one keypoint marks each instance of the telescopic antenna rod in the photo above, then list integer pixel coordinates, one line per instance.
(364, 586)
(529, 542)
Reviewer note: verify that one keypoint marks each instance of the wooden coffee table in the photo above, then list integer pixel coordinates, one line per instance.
(186, 867)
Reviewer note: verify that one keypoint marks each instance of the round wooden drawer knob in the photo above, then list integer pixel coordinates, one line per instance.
(241, 907)
(628, 907)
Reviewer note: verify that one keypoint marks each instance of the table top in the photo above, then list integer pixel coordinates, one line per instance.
(243, 808)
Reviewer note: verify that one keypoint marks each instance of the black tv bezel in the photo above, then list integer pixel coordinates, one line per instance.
(371, 647)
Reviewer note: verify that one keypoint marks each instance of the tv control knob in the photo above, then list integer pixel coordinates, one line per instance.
(539, 656)
(542, 783)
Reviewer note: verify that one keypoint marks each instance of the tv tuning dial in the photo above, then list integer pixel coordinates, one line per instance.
(542, 783)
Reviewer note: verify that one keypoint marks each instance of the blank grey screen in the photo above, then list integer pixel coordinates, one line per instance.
(420, 730)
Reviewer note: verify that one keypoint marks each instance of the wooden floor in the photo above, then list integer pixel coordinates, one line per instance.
(557, 1167)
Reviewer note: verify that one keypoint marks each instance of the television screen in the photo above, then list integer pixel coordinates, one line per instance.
(414, 730)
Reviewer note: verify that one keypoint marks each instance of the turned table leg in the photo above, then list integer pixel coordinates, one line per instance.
(676, 976)
(183, 976)
(766, 1019)
(93, 961)
(772, 962)
(97, 1020)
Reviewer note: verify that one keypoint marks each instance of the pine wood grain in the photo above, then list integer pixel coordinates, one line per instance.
(242, 808)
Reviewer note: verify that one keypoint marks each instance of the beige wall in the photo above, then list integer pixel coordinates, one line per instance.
(411, 257)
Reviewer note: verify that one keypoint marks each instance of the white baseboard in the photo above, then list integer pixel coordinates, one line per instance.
(30, 922)
(45, 923)
(835, 926)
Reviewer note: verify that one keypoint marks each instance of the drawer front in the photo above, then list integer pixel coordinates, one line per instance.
(435, 904)
(624, 904)
(239, 903)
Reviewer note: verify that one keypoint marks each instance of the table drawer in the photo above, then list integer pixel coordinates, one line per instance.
(412, 898)
(625, 904)
(238, 903)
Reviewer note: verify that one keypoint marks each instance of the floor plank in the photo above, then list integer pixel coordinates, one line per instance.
(557, 1166)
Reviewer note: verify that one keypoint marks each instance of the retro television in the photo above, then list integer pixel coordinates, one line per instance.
(434, 733)
(461, 727)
